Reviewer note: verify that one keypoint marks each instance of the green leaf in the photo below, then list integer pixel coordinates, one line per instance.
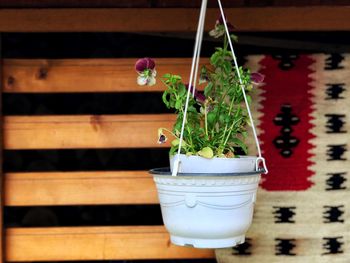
(192, 109)
(172, 102)
(227, 66)
(240, 143)
(206, 152)
(165, 99)
(249, 99)
(215, 57)
(181, 90)
(248, 87)
(211, 118)
(176, 142)
(178, 104)
(244, 134)
(208, 89)
(178, 125)
(176, 77)
(222, 117)
(173, 150)
(234, 38)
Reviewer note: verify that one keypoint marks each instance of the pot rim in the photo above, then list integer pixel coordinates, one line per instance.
(243, 157)
(165, 171)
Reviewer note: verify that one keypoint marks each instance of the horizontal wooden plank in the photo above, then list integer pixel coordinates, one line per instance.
(159, 3)
(2, 241)
(79, 188)
(84, 131)
(113, 3)
(95, 243)
(302, 18)
(85, 75)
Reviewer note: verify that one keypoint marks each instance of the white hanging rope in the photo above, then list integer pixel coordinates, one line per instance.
(194, 68)
(201, 30)
(193, 79)
(260, 158)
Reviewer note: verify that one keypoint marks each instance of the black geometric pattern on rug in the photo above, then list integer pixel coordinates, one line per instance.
(284, 214)
(285, 142)
(335, 123)
(333, 214)
(286, 61)
(284, 247)
(333, 245)
(336, 181)
(333, 62)
(243, 249)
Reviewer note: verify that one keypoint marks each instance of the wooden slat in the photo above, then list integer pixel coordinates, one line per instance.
(159, 3)
(95, 243)
(85, 131)
(158, 19)
(113, 3)
(80, 188)
(2, 187)
(85, 75)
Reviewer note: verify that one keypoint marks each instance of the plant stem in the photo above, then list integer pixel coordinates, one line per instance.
(225, 43)
(206, 118)
(230, 130)
(225, 93)
(190, 138)
(229, 114)
(165, 129)
(190, 141)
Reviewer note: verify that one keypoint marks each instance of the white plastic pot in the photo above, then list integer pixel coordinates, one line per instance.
(207, 211)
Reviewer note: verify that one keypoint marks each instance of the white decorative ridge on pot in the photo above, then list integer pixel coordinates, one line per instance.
(207, 211)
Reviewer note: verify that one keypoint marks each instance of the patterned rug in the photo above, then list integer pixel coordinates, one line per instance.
(303, 114)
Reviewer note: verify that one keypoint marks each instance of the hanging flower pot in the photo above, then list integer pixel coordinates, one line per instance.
(209, 204)
(207, 194)
(207, 210)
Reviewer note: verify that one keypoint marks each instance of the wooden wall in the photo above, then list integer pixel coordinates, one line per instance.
(57, 188)
(117, 131)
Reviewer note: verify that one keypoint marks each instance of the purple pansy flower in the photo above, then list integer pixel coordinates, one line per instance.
(145, 67)
(161, 137)
(257, 78)
(219, 29)
(198, 95)
(144, 63)
(230, 27)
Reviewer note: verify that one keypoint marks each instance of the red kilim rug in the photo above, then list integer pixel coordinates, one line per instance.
(303, 116)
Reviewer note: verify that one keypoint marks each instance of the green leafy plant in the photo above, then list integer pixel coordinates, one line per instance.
(217, 119)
